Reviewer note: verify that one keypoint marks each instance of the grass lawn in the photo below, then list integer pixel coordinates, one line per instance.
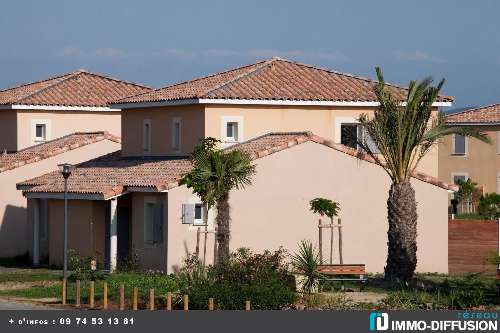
(427, 291)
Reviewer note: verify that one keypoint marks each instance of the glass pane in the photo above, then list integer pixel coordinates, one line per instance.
(40, 131)
(230, 130)
(349, 135)
(198, 215)
(459, 144)
(177, 135)
(149, 223)
(457, 178)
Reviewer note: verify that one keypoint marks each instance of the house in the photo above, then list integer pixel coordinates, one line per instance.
(15, 239)
(40, 111)
(243, 103)
(130, 203)
(121, 206)
(464, 158)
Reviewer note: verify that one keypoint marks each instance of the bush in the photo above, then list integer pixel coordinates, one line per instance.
(489, 206)
(81, 268)
(263, 279)
(161, 283)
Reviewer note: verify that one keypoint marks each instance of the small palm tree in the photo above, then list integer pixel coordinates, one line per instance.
(330, 208)
(404, 134)
(215, 173)
(305, 263)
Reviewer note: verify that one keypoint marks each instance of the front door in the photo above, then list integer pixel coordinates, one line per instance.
(123, 234)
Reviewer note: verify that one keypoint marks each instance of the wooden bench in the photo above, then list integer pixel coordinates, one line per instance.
(345, 272)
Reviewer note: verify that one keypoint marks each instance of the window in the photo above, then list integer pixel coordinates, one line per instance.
(231, 129)
(146, 140)
(457, 176)
(40, 132)
(176, 134)
(193, 213)
(459, 144)
(153, 222)
(349, 135)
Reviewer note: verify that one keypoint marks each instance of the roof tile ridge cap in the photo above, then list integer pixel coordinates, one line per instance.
(353, 76)
(111, 78)
(259, 66)
(473, 109)
(38, 81)
(432, 180)
(186, 82)
(70, 76)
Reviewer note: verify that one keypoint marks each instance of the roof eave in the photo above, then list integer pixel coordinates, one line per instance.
(58, 108)
(235, 101)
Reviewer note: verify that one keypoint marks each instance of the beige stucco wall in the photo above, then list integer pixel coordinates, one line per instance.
(63, 123)
(8, 130)
(192, 127)
(481, 161)
(274, 212)
(321, 120)
(14, 237)
(86, 229)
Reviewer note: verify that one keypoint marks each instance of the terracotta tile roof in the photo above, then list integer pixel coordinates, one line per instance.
(489, 114)
(275, 79)
(111, 175)
(80, 88)
(52, 148)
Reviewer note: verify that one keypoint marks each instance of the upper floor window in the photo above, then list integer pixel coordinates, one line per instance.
(231, 129)
(459, 144)
(146, 136)
(349, 135)
(176, 134)
(40, 132)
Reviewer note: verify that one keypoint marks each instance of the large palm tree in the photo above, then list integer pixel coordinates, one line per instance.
(215, 173)
(404, 133)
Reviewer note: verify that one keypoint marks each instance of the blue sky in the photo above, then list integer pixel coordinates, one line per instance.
(161, 42)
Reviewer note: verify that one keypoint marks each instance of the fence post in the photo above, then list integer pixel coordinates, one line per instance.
(197, 250)
(105, 295)
(151, 299)
(122, 296)
(211, 304)
(341, 260)
(64, 282)
(134, 299)
(247, 306)
(91, 296)
(169, 301)
(77, 294)
(186, 302)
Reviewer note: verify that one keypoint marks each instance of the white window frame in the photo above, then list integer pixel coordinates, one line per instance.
(466, 151)
(454, 174)
(232, 119)
(175, 121)
(146, 141)
(46, 123)
(203, 214)
(338, 126)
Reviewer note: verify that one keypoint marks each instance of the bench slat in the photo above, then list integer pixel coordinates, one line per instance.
(342, 269)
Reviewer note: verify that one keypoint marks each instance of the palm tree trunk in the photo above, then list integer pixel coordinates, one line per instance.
(402, 233)
(223, 220)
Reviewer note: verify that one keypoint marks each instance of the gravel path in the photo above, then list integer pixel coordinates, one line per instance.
(6, 304)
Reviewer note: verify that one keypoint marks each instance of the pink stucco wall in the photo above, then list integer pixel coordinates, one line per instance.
(15, 237)
(274, 212)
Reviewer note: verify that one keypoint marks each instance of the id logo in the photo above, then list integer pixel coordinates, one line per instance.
(379, 321)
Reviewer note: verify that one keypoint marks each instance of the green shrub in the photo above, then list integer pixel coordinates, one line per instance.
(81, 268)
(469, 216)
(489, 206)
(161, 283)
(263, 279)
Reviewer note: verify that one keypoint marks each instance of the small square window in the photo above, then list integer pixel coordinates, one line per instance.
(198, 212)
(40, 132)
(459, 177)
(349, 135)
(232, 131)
(459, 144)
